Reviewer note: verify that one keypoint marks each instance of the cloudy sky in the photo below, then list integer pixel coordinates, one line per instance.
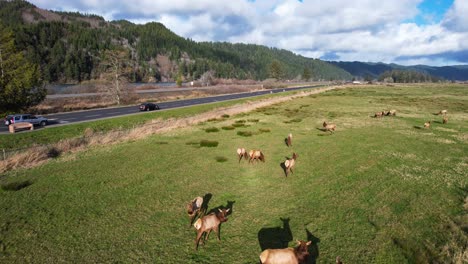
(432, 32)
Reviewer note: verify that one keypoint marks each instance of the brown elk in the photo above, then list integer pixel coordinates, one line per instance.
(289, 164)
(289, 140)
(392, 112)
(443, 112)
(427, 124)
(296, 255)
(338, 260)
(194, 208)
(379, 114)
(256, 155)
(241, 153)
(329, 127)
(445, 120)
(208, 223)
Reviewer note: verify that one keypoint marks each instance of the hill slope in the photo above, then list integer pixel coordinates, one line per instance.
(364, 69)
(68, 47)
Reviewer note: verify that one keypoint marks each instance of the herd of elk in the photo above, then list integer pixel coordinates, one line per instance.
(385, 113)
(296, 255)
(207, 223)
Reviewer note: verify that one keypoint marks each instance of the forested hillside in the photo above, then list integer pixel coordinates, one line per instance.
(374, 70)
(69, 47)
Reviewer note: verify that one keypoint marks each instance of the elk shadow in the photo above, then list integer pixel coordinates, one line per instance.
(230, 205)
(206, 200)
(417, 127)
(313, 248)
(275, 237)
(437, 122)
(286, 142)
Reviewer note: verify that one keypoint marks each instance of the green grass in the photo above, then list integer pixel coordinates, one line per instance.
(375, 191)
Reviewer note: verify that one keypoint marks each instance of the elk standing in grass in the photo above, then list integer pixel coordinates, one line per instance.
(378, 114)
(392, 112)
(427, 124)
(289, 140)
(445, 120)
(329, 127)
(295, 255)
(289, 164)
(194, 208)
(256, 155)
(209, 222)
(241, 153)
(443, 112)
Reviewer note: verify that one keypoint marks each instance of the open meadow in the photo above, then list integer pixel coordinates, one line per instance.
(377, 190)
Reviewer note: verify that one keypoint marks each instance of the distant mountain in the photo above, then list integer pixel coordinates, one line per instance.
(365, 69)
(67, 46)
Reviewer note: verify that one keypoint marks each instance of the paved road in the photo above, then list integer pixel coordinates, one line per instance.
(88, 115)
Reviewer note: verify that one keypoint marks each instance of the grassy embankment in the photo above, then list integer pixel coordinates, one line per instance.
(376, 191)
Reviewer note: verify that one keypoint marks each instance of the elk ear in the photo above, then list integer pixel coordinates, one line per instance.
(228, 210)
(298, 242)
(308, 243)
(220, 210)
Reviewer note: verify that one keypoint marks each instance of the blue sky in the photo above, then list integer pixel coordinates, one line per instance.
(432, 32)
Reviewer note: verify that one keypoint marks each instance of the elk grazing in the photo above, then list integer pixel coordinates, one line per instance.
(289, 164)
(427, 124)
(241, 153)
(194, 208)
(296, 255)
(208, 223)
(378, 114)
(329, 127)
(392, 112)
(256, 155)
(289, 140)
(445, 120)
(443, 112)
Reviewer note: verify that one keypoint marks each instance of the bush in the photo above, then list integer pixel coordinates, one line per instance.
(253, 120)
(208, 143)
(244, 133)
(225, 116)
(211, 130)
(228, 128)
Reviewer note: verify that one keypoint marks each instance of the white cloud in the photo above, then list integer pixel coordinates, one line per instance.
(363, 30)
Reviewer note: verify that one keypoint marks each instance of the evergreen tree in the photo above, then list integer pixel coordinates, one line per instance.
(20, 83)
(276, 71)
(306, 75)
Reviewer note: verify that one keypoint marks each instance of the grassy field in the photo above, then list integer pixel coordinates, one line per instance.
(375, 191)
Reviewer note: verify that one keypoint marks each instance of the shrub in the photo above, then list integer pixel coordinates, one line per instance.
(253, 120)
(264, 130)
(221, 159)
(244, 133)
(240, 121)
(211, 129)
(228, 128)
(208, 143)
(238, 125)
(225, 116)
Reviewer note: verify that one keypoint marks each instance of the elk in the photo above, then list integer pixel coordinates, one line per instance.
(289, 140)
(208, 223)
(256, 155)
(241, 153)
(427, 124)
(445, 120)
(289, 164)
(392, 112)
(338, 260)
(379, 114)
(443, 112)
(194, 208)
(329, 127)
(295, 255)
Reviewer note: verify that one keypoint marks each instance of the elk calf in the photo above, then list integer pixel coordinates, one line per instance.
(329, 127)
(256, 155)
(241, 153)
(194, 208)
(289, 164)
(208, 223)
(289, 140)
(427, 124)
(296, 255)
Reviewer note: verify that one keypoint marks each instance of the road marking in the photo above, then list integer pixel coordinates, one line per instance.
(94, 115)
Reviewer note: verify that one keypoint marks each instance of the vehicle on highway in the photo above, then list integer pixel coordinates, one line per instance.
(149, 107)
(35, 120)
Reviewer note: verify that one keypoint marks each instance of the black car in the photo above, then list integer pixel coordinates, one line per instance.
(148, 107)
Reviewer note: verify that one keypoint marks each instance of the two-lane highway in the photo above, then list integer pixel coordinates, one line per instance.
(88, 115)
